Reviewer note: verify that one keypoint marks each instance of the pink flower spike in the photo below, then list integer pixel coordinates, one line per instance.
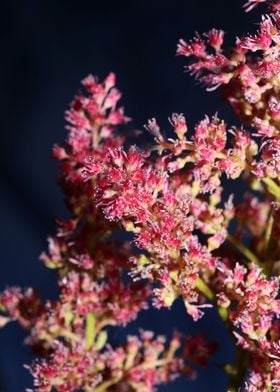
(196, 47)
(215, 38)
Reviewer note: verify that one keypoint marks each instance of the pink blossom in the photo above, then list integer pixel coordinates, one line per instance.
(188, 239)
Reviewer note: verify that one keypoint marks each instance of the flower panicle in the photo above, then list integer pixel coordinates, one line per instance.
(186, 239)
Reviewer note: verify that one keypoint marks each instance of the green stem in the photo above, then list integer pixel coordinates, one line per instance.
(272, 187)
(268, 243)
(70, 335)
(152, 364)
(209, 294)
(237, 370)
(268, 231)
(244, 250)
(105, 385)
(90, 330)
(105, 322)
(202, 286)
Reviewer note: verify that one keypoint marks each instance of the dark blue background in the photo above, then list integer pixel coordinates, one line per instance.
(47, 47)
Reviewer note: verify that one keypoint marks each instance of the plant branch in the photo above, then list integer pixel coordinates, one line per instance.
(272, 187)
(244, 250)
(209, 294)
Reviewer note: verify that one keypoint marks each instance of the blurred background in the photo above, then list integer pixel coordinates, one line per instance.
(47, 47)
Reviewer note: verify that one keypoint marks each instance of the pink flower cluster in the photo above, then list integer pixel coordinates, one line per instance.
(249, 76)
(139, 364)
(188, 241)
